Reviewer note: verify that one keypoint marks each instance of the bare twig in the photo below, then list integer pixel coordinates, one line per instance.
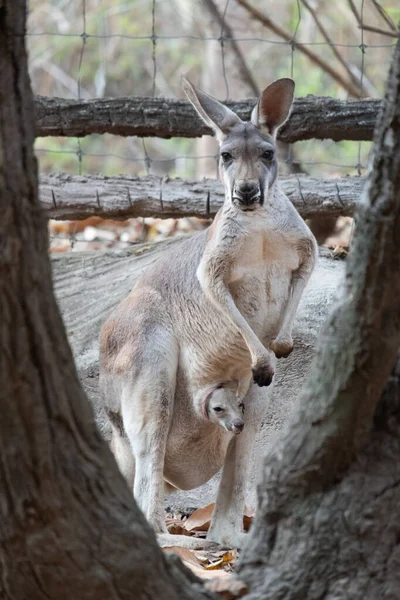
(384, 15)
(355, 12)
(267, 22)
(381, 31)
(328, 39)
(242, 65)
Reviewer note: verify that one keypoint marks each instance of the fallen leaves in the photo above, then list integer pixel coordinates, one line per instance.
(95, 233)
(176, 526)
(187, 556)
(215, 566)
(210, 565)
(340, 252)
(200, 519)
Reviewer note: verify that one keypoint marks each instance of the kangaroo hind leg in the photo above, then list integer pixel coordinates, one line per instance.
(122, 451)
(147, 408)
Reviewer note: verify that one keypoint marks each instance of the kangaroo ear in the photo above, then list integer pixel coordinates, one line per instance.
(205, 409)
(273, 107)
(214, 114)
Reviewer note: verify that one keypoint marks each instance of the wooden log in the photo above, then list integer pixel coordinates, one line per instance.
(311, 117)
(78, 197)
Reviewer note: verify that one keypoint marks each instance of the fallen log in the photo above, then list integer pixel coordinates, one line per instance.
(311, 117)
(73, 197)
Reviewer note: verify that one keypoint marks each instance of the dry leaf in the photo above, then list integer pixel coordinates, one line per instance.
(227, 557)
(228, 587)
(211, 555)
(203, 574)
(197, 533)
(200, 519)
(190, 561)
(340, 252)
(215, 565)
(187, 556)
(177, 528)
(201, 555)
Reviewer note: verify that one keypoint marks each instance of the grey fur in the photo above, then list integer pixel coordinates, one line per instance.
(206, 322)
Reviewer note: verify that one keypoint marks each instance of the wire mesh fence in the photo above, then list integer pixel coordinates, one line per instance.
(230, 48)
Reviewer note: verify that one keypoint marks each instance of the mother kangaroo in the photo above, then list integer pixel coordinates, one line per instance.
(212, 313)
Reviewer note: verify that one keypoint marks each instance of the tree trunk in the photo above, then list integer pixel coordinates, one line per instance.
(69, 527)
(328, 522)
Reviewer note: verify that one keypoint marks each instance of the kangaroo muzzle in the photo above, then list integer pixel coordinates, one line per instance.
(247, 193)
(237, 426)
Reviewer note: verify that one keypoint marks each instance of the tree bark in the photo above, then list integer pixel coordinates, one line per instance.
(64, 196)
(328, 523)
(311, 117)
(69, 527)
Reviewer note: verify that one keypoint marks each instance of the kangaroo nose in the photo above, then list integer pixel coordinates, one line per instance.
(247, 192)
(237, 426)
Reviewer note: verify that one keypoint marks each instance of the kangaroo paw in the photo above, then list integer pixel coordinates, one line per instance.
(263, 373)
(281, 348)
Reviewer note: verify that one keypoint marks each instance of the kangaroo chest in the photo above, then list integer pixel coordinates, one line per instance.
(262, 263)
(260, 280)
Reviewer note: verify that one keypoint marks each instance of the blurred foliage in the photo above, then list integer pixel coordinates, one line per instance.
(97, 48)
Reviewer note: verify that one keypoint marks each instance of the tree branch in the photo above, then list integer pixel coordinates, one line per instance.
(384, 15)
(267, 22)
(78, 197)
(380, 31)
(311, 117)
(245, 72)
(329, 40)
(355, 12)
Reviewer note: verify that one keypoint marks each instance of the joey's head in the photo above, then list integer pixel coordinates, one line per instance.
(223, 408)
(248, 163)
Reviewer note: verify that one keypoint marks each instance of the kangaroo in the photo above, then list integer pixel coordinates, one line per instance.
(211, 316)
(221, 406)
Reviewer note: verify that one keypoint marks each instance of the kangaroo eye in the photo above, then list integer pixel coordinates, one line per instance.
(218, 409)
(241, 406)
(268, 154)
(226, 157)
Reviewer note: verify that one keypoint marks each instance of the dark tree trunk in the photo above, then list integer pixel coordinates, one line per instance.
(68, 525)
(328, 524)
